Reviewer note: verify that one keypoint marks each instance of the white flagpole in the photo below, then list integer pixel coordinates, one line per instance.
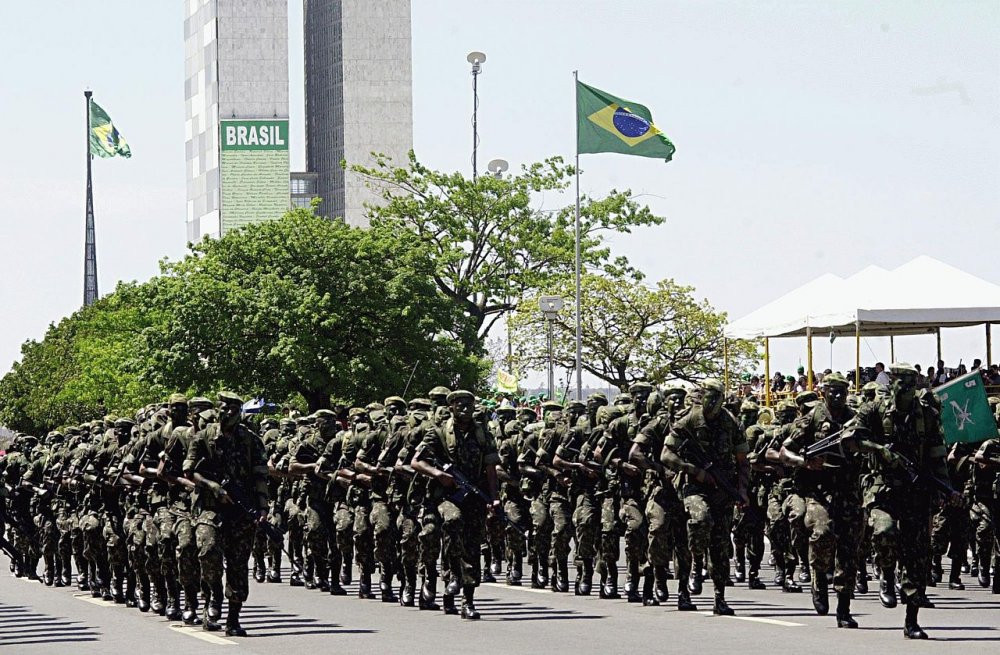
(579, 348)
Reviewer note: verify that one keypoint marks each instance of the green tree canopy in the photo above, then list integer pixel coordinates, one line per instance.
(630, 332)
(307, 306)
(492, 240)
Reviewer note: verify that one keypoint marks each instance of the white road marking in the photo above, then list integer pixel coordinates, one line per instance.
(758, 619)
(198, 633)
(501, 585)
(87, 598)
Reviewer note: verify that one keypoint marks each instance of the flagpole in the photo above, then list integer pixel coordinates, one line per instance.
(579, 348)
(90, 239)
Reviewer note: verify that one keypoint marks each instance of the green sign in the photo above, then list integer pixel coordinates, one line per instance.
(965, 412)
(253, 171)
(255, 135)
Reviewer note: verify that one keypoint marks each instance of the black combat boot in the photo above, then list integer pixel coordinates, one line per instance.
(684, 603)
(937, 573)
(173, 612)
(515, 575)
(754, 581)
(428, 592)
(983, 575)
(995, 587)
(365, 586)
(911, 629)
(208, 622)
(259, 569)
(779, 574)
(468, 606)
(130, 600)
(563, 586)
(660, 577)
(82, 579)
(487, 574)
(407, 597)
(632, 593)
(955, 577)
(609, 586)
(385, 585)
(119, 590)
(648, 596)
(887, 589)
(741, 566)
(190, 615)
(143, 603)
(159, 605)
(233, 627)
(578, 580)
(721, 608)
(347, 575)
(861, 581)
(448, 604)
(215, 606)
(820, 597)
(844, 618)
(543, 573)
(274, 570)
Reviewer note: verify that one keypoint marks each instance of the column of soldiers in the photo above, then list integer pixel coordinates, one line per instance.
(174, 510)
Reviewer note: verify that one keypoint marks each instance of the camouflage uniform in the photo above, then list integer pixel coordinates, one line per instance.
(986, 511)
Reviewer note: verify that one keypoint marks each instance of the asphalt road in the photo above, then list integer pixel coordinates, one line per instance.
(286, 620)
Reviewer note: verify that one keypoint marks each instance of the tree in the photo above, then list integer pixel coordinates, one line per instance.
(490, 244)
(631, 332)
(306, 306)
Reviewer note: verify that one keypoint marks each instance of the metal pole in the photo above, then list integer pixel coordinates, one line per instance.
(579, 310)
(892, 348)
(937, 331)
(809, 357)
(767, 371)
(551, 369)
(475, 125)
(90, 237)
(857, 355)
(725, 364)
(989, 346)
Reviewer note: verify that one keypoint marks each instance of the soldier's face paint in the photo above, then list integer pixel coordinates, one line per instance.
(836, 395)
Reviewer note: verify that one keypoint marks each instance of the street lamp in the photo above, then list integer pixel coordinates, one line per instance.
(476, 59)
(550, 306)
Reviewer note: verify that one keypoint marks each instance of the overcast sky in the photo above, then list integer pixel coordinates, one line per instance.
(811, 137)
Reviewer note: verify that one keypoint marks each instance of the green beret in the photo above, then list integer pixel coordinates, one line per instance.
(268, 421)
(835, 378)
(73, 431)
(506, 410)
(395, 400)
(552, 405)
(179, 399)
(373, 406)
(511, 427)
(903, 369)
(639, 386)
(576, 404)
(439, 391)
(598, 398)
(623, 399)
(377, 415)
(458, 394)
(200, 402)
(713, 384)
(787, 406)
(287, 423)
(208, 415)
(804, 397)
(871, 386)
(351, 413)
(420, 403)
(675, 390)
(229, 398)
(748, 406)
(124, 423)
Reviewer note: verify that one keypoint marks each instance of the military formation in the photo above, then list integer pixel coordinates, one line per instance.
(173, 511)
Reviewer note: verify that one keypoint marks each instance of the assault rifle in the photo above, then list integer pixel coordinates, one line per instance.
(241, 503)
(696, 455)
(6, 546)
(916, 476)
(464, 488)
(833, 444)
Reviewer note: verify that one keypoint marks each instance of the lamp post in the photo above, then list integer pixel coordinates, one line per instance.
(550, 306)
(476, 59)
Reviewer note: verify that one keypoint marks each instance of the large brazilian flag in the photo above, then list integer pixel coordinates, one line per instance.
(606, 123)
(965, 412)
(105, 139)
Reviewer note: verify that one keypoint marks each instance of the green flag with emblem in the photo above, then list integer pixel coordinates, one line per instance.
(965, 412)
(105, 139)
(606, 123)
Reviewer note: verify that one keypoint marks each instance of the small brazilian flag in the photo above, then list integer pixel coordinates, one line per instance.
(105, 139)
(609, 124)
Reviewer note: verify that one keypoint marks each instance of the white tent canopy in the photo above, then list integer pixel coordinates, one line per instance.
(916, 298)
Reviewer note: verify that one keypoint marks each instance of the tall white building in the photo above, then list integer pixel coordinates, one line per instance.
(236, 111)
(359, 100)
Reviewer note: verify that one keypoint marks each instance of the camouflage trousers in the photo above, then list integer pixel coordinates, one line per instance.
(709, 523)
(667, 531)
(541, 530)
(343, 524)
(983, 516)
(463, 528)
(950, 532)
(382, 519)
(587, 526)
(609, 549)
(136, 538)
(408, 529)
(177, 548)
(517, 510)
(633, 516)
(224, 545)
(94, 551)
(748, 530)
(833, 525)
(901, 532)
(46, 533)
(114, 537)
(320, 537)
(364, 537)
(561, 513)
(296, 530)
(429, 538)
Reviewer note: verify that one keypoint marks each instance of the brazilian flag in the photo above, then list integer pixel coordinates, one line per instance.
(105, 139)
(609, 124)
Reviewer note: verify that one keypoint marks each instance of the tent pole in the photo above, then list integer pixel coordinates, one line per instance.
(989, 347)
(809, 357)
(725, 363)
(892, 349)
(767, 372)
(937, 331)
(857, 355)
